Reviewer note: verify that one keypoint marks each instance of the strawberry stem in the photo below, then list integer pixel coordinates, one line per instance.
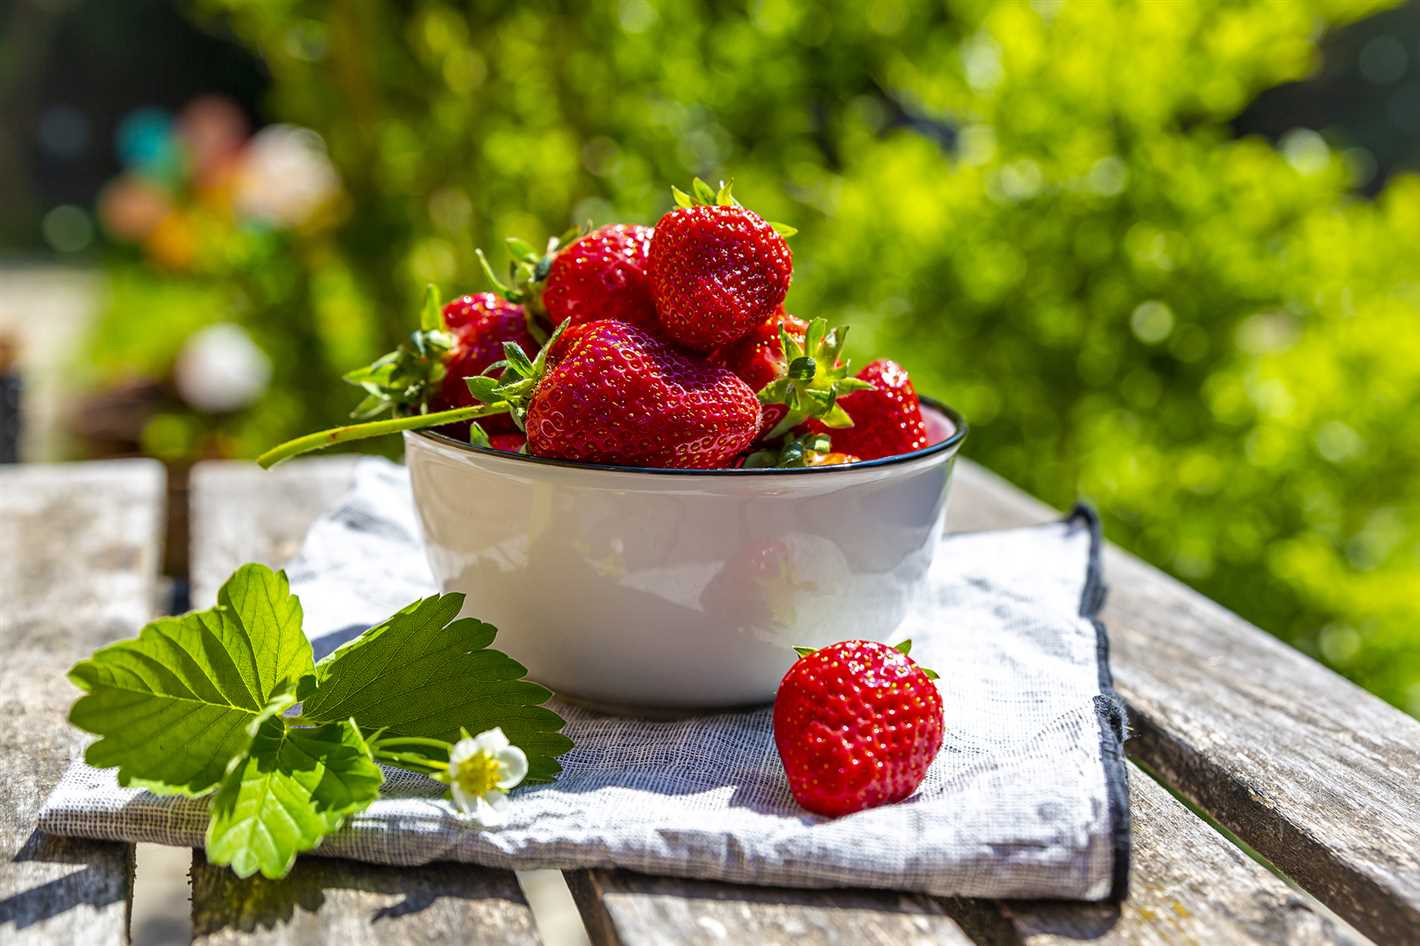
(379, 428)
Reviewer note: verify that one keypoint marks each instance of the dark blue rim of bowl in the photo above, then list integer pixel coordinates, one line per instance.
(958, 434)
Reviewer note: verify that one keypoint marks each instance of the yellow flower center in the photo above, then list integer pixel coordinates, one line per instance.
(479, 774)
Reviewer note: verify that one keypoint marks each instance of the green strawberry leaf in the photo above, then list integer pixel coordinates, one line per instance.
(905, 648)
(795, 452)
(517, 359)
(527, 272)
(703, 195)
(815, 375)
(431, 316)
(802, 369)
(521, 250)
(402, 381)
(483, 388)
(424, 673)
(703, 192)
(174, 705)
(488, 273)
(372, 406)
(836, 417)
(291, 789)
(519, 377)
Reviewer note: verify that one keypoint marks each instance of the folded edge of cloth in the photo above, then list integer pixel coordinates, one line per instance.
(1113, 714)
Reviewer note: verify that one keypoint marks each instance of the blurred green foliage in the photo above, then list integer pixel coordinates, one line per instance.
(1037, 207)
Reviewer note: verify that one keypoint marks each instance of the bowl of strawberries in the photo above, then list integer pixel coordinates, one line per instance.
(653, 479)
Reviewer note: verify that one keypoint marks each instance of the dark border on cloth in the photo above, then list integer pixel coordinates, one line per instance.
(1113, 717)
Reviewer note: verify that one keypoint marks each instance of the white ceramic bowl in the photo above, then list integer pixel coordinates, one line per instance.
(642, 588)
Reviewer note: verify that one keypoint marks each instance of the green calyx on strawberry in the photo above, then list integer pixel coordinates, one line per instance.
(807, 449)
(412, 383)
(815, 376)
(425, 374)
(518, 377)
(527, 273)
(887, 414)
(904, 648)
(793, 453)
(758, 358)
(703, 195)
(404, 380)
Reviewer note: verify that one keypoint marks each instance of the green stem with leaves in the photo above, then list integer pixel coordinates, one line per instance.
(379, 428)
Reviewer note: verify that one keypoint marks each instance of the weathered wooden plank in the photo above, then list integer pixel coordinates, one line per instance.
(241, 513)
(1188, 885)
(621, 908)
(1316, 774)
(334, 901)
(80, 570)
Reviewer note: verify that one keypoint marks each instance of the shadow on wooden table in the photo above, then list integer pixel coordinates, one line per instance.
(621, 906)
(222, 902)
(991, 923)
(93, 885)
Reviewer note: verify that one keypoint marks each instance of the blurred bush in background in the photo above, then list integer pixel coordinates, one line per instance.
(223, 275)
(1040, 208)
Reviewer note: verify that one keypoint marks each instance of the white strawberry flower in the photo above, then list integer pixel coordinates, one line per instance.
(482, 769)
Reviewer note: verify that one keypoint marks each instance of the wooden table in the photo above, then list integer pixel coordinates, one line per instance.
(1311, 787)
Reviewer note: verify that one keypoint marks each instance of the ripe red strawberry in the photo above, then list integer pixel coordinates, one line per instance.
(612, 393)
(887, 419)
(857, 724)
(717, 270)
(602, 276)
(508, 443)
(479, 324)
(758, 358)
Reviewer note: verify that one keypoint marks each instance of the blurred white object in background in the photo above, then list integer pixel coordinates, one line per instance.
(285, 176)
(221, 369)
(45, 309)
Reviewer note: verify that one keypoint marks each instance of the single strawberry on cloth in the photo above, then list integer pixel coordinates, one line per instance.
(1027, 797)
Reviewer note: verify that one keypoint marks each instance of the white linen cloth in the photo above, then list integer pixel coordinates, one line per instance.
(1026, 799)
